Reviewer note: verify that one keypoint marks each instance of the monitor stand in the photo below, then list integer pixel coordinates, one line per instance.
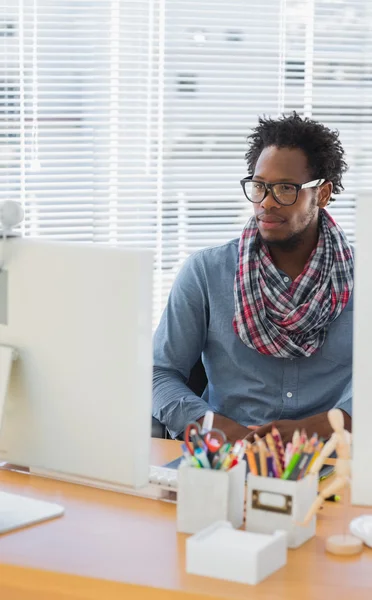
(7, 356)
(18, 511)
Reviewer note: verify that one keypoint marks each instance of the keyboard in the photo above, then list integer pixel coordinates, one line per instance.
(162, 485)
(163, 477)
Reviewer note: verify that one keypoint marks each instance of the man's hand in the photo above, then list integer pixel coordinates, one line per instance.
(316, 424)
(233, 430)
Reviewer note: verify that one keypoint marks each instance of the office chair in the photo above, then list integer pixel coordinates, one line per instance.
(197, 383)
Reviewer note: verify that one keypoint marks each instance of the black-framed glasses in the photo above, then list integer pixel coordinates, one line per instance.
(284, 193)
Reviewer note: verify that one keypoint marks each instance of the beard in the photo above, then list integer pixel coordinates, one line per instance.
(296, 239)
(289, 244)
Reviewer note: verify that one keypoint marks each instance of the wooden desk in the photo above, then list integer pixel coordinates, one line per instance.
(110, 546)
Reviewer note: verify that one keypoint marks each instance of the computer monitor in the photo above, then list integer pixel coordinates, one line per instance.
(79, 395)
(361, 480)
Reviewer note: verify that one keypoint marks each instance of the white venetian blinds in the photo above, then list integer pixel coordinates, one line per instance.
(79, 117)
(329, 77)
(126, 121)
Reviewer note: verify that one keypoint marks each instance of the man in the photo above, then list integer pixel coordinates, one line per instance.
(270, 313)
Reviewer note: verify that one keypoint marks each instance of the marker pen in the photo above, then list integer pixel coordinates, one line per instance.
(202, 458)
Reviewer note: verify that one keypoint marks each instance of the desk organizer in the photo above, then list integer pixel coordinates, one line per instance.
(222, 552)
(274, 504)
(206, 495)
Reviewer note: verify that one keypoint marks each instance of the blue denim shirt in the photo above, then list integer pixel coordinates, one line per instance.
(244, 385)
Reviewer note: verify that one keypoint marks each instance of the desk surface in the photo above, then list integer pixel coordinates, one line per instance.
(110, 546)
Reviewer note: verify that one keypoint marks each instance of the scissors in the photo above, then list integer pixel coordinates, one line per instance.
(211, 440)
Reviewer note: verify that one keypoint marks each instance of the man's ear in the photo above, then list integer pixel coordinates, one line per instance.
(325, 193)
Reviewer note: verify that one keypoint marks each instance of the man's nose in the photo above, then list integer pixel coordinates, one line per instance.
(269, 202)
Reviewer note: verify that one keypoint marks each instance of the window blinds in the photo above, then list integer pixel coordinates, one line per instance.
(125, 122)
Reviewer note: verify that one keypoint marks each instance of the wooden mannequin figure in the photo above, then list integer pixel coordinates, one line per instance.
(340, 441)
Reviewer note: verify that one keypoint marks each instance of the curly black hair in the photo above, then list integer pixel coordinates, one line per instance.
(321, 145)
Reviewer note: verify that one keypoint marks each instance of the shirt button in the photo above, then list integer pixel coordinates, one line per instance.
(286, 279)
(289, 394)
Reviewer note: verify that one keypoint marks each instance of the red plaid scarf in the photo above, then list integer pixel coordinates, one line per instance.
(291, 322)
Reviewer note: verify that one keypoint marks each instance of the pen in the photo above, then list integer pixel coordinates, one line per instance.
(301, 466)
(207, 421)
(239, 449)
(304, 468)
(196, 440)
(237, 453)
(333, 498)
(292, 463)
(251, 459)
(279, 445)
(194, 462)
(222, 455)
(272, 448)
(262, 454)
(328, 472)
(315, 456)
(314, 439)
(257, 459)
(190, 459)
(296, 441)
(270, 465)
(201, 456)
(287, 454)
(308, 448)
(227, 463)
(303, 437)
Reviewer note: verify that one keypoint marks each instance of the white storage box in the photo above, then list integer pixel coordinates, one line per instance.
(274, 504)
(206, 495)
(222, 552)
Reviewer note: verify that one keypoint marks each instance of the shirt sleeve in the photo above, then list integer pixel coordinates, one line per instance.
(345, 402)
(178, 343)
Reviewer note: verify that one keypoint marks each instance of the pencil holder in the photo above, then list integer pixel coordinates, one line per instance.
(205, 496)
(275, 504)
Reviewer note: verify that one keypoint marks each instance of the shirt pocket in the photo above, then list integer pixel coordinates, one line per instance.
(338, 346)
